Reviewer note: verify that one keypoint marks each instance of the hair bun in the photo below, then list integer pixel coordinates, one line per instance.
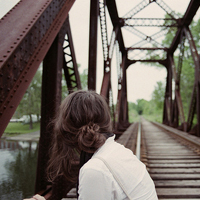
(89, 138)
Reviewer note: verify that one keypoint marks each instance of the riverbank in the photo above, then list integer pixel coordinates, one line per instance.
(34, 136)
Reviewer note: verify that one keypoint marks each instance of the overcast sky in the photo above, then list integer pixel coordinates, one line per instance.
(141, 78)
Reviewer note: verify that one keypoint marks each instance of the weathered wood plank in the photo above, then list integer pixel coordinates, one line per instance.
(177, 183)
(174, 170)
(178, 192)
(175, 176)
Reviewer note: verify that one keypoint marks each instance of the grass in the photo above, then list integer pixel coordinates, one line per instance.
(16, 128)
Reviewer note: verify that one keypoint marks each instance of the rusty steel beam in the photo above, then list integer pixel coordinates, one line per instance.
(105, 84)
(130, 62)
(51, 99)
(103, 25)
(196, 60)
(69, 61)
(168, 97)
(24, 42)
(122, 102)
(177, 92)
(192, 108)
(107, 65)
(94, 12)
(112, 9)
(185, 21)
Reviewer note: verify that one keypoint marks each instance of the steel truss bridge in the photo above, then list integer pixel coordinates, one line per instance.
(32, 33)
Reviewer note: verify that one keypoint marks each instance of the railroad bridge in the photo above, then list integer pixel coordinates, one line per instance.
(34, 33)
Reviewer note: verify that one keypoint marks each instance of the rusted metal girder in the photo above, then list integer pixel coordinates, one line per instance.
(168, 98)
(69, 61)
(122, 101)
(51, 99)
(177, 93)
(112, 9)
(185, 21)
(196, 94)
(24, 42)
(134, 61)
(94, 12)
(107, 65)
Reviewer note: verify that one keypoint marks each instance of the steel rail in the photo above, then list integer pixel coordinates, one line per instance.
(138, 144)
(193, 140)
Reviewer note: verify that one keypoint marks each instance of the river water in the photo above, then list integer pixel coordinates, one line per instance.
(18, 161)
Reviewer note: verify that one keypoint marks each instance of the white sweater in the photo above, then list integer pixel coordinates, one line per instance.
(97, 183)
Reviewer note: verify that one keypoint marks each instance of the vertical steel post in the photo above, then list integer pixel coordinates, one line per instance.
(94, 10)
(51, 98)
(177, 94)
(122, 103)
(168, 97)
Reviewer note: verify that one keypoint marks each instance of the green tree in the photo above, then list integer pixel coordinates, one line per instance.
(158, 95)
(132, 112)
(31, 101)
(84, 79)
(142, 105)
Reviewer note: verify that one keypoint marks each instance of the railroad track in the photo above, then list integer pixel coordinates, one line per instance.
(173, 162)
(172, 158)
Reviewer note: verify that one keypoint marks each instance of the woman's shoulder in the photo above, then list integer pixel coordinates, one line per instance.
(95, 168)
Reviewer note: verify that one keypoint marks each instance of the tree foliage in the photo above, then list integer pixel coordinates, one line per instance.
(158, 95)
(31, 101)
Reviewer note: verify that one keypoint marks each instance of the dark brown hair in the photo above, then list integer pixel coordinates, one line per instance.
(81, 124)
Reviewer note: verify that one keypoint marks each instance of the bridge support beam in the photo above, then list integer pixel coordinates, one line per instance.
(122, 101)
(22, 50)
(94, 12)
(51, 99)
(195, 100)
(168, 98)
